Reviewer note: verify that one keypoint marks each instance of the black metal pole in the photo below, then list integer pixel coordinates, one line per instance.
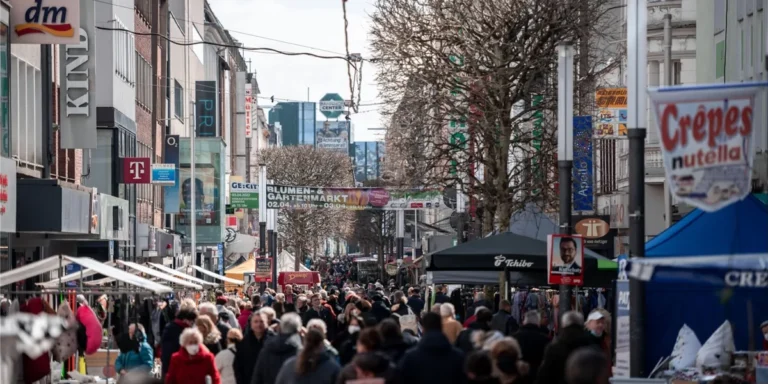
(637, 249)
(565, 167)
(263, 238)
(400, 242)
(46, 78)
(273, 252)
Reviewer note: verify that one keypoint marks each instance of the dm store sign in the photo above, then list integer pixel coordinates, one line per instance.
(45, 22)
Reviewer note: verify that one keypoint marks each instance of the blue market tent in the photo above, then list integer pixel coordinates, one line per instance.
(738, 229)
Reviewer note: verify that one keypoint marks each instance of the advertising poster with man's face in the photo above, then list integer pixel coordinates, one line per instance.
(206, 195)
(565, 260)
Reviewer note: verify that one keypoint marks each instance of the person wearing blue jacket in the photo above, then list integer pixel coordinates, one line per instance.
(135, 352)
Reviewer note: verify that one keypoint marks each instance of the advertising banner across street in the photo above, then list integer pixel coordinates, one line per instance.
(707, 141)
(279, 196)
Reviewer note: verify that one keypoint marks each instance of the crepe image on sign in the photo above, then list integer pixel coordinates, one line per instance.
(683, 185)
(722, 183)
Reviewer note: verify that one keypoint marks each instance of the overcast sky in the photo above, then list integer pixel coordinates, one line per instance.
(312, 23)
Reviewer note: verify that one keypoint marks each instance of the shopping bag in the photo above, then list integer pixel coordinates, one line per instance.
(716, 351)
(686, 348)
(409, 321)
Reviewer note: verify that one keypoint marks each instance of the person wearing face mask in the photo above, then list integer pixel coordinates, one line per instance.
(764, 328)
(347, 349)
(185, 318)
(193, 363)
(597, 325)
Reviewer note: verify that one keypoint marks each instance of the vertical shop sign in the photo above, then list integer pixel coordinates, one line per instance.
(621, 368)
(205, 108)
(7, 195)
(583, 189)
(612, 112)
(78, 71)
(248, 110)
(220, 255)
(171, 192)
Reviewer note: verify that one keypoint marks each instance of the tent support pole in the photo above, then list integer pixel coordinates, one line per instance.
(564, 173)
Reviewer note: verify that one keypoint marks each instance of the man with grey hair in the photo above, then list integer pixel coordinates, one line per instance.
(533, 339)
(210, 311)
(278, 350)
(572, 336)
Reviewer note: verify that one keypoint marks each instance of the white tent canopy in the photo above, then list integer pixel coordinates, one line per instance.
(286, 262)
(71, 277)
(181, 274)
(159, 275)
(216, 276)
(51, 264)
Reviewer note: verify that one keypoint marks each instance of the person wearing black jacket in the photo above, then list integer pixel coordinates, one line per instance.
(248, 350)
(572, 337)
(434, 359)
(399, 305)
(379, 309)
(440, 296)
(278, 350)
(318, 311)
(290, 299)
(482, 323)
(395, 344)
(169, 344)
(532, 342)
(415, 302)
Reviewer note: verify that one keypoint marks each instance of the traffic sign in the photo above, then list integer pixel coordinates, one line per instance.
(332, 105)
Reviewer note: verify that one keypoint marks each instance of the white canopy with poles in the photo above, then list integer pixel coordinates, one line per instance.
(217, 276)
(51, 264)
(181, 274)
(51, 284)
(159, 275)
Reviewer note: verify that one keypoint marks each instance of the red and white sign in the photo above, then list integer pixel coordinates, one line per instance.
(706, 135)
(7, 195)
(232, 221)
(565, 260)
(136, 170)
(248, 110)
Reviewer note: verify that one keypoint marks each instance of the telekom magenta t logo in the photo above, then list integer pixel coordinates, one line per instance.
(136, 170)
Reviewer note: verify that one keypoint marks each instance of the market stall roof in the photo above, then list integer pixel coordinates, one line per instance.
(723, 271)
(71, 277)
(739, 228)
(180, 274)
(159, 275)
(53, 263)
(286, 263)
(499, 251)
(217, 276)
(247, 266)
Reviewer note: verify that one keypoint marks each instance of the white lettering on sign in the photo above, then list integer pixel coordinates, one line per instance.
(76, 70)
(136, 169)
(511, 263)
(331, 105)
(750, 279)
(248, 109)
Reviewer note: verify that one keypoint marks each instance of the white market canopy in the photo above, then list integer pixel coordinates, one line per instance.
(52, 284)
(217, 276)
(180, 274)
(51, 264)
(159, 275)
(286, 262)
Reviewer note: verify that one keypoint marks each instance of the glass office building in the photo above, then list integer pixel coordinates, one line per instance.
(369, 159)
(297, 120)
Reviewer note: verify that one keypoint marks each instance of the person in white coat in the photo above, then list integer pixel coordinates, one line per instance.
(226, 358)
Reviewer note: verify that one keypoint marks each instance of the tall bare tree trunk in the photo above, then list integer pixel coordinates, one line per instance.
(299, 256)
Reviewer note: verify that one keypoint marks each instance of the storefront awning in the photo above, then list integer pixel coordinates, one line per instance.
(159, 275)
(71, 277)
(217, 276)
(182, 275)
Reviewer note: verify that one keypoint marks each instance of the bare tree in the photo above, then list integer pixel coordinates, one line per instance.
(302, 230)
(470, 86)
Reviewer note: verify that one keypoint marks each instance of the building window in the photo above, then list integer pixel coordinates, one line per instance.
(26, 142)
(178, 100)
(123, 50)
(144, 83)
(677, 72)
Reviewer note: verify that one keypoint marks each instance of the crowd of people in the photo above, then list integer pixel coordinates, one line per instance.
(338, 335)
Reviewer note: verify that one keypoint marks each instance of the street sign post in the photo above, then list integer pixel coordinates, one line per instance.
(332, 105)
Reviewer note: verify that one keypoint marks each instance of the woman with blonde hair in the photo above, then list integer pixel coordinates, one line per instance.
(225, 359)
(211, 334)
(507, 365)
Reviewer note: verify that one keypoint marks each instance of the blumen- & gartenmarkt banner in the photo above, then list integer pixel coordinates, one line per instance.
(707, 139)
(279, 196)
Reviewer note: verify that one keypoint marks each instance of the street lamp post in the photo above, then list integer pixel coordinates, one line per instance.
(565, 148)
(262, 209)
(637, 59)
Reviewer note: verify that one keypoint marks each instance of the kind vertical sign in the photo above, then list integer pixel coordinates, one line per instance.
(707, 139)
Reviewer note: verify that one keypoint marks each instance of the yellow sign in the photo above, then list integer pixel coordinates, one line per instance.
(612, 114)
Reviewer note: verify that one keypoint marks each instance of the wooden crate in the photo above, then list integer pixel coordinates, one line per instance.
(95, 363)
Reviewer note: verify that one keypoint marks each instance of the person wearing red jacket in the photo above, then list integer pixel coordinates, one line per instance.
(193, 363)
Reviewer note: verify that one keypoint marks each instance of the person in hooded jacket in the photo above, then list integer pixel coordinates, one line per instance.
(482, 323)
(221, 305)
(135, 352)
(394, 344)
(379, 309)
(311, 365)
(249, 349)
(434, 359)
(572, 337)
(278, 350)
(169, 344)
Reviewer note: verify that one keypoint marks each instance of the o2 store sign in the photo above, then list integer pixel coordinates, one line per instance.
(136, 170)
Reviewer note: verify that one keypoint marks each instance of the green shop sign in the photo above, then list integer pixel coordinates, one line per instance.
(244, 195)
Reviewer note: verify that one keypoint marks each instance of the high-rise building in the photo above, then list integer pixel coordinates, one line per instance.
(369, 156)
(297, 120)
